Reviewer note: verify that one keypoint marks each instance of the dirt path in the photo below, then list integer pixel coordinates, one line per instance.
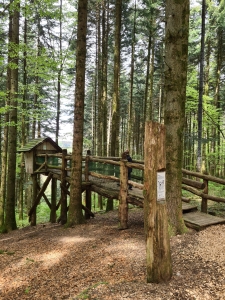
(97, 261)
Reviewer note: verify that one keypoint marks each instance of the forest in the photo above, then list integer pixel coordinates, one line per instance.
(126, 60)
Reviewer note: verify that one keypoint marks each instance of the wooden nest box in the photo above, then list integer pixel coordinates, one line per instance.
(38, 146)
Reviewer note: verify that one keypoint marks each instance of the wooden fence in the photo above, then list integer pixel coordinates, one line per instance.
(194, 182)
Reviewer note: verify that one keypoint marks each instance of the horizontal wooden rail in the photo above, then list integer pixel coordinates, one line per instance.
(196, 184)
(203, 195)
(101, 176)
(204, 176)
(105, 161)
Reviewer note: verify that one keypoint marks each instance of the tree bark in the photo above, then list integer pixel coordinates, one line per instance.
(176, 50)
(105, 31)
(10, 218)
(75, 215)
(59, 75)
(63, 185)
(201, 86)
(116, 102)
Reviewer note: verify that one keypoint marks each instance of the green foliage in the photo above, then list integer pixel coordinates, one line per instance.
(216, 189)
(29, 260)
(6, 252)
(43, 215)
(27, 290)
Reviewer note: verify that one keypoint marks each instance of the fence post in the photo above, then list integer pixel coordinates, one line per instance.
(123, 205)
(204, 200)
(63, 188)
(159, 268)
(46, 161)
(53, 200)
(33, 217)
(88, 189)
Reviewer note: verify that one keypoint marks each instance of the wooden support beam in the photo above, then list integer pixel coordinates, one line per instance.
(87, 210)
(58, 205)
(40, 194)
(39, 169)
(53, 200)
(204, 204)
(33, 216)
(44, 196)
(123, 205)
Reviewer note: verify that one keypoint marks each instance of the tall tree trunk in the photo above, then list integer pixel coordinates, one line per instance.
(10, 218)
(59, 76)
(147, 104)
(75, 215)
(94, 102)
(176, 50)
(99, 85)
(204, 164)
(35, 104)
(3, 171)
(5, 140)
(201, 85)
(104, 75)
(217, 99)
(116, 102)
(23, 127)
(130, 109)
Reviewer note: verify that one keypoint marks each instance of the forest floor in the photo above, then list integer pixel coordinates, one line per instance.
(97, 261)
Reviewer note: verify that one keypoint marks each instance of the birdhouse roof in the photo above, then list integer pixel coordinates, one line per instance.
(35, 143)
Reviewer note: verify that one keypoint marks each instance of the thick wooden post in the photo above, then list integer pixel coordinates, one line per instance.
(63, 217)
(86, 169)
(123, 205)
(53, 200)
(159, 268)
(88, 189)
(204, 204)
(33, 216)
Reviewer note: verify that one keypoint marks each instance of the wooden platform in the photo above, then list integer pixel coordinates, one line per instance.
(199, 221)
(187, 207)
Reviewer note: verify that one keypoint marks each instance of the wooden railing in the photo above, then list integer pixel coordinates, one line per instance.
(192, 185)
(204, 191)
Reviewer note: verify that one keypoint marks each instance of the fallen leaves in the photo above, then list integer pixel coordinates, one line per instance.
(98, 261)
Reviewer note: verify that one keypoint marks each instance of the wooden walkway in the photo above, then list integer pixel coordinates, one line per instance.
(192, 217)
(110, 189)
(198, 220)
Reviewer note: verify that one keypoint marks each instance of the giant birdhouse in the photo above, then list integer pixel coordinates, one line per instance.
(38, 146)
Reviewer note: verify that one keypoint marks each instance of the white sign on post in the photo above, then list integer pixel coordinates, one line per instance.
(161, 186)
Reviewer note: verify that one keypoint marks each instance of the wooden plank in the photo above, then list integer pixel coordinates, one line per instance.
(199, 220)
(193, 183)
(187, 207)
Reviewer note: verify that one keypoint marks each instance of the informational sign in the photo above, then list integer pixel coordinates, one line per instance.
(161, 186)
